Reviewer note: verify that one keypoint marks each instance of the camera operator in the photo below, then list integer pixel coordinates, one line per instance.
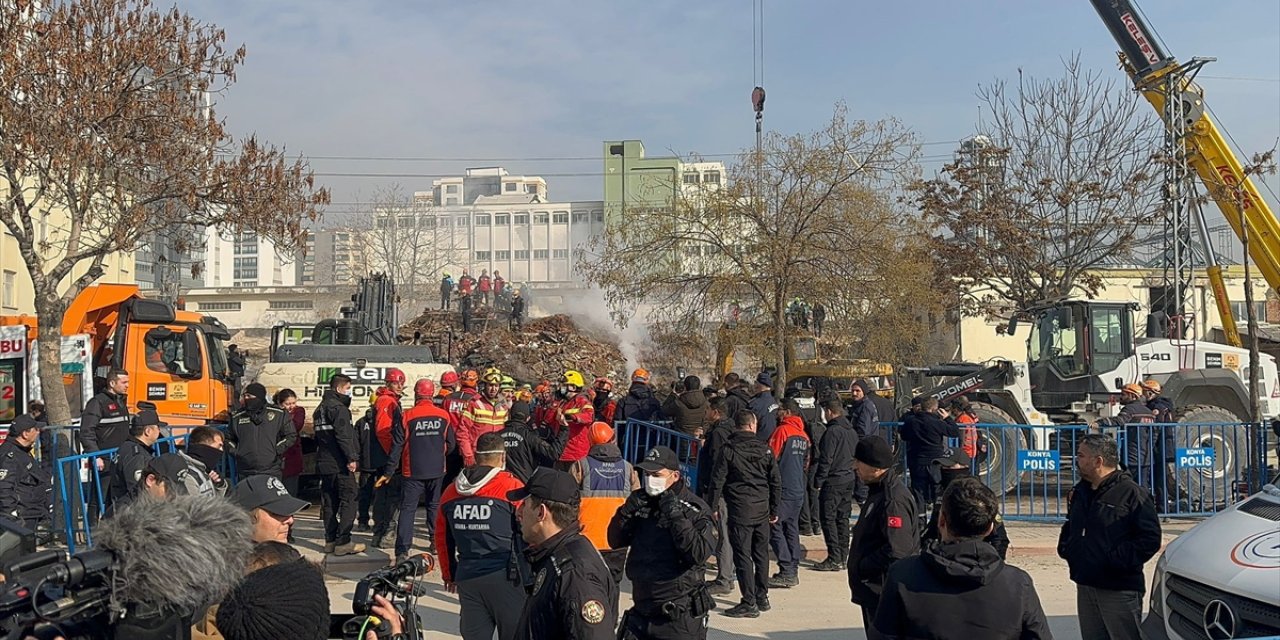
(270, 507)
(26, 488)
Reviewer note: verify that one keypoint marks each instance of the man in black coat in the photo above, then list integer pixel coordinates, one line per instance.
(835, 480)
(526, 450)
(670, 534)
(104, 424)
(1111, 531)
(887, 530)
(746, 476)
(134, 454)
(925, 437)
(954, 465)
(714, 439)
(961, 587)
(865, 418)
(763, 404)
(26, 487)
(337, 460)
(639, 403)
(259, 434)
(687, 409)
(736, 394)
(811, 512)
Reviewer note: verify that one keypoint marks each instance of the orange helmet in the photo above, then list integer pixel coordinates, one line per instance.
(544, 387)
(640, 375)
(1132, 388)
(604, 383)
(470, 378)
(1151, 385)
(601, 433)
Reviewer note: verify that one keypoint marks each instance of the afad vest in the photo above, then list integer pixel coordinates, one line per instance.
(606, 484)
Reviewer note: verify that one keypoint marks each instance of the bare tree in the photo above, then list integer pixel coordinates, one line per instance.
(410, 241)
(107, 121)
(1060, 183)
(812, 215)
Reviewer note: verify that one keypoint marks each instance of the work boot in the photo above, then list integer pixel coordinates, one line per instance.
(826, 565)
(783, 581)
(363, 527)
(742, 610)
(384, 541)
(720, 587)
(349, 549)
(762, 603)
(329, 546)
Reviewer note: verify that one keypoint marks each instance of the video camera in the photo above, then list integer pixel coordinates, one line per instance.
(47, 593)
(397, 584)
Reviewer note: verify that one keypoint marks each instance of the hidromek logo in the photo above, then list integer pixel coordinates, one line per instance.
(359, 375)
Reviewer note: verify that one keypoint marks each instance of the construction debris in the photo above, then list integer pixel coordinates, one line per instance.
(543, 348)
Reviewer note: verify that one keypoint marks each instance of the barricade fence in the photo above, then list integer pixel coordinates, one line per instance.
(1192, 470)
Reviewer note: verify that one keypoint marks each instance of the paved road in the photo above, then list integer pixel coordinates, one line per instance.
(818, 609)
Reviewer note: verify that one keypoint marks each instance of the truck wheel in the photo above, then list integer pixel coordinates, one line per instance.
(1209, 488)
(997, 459)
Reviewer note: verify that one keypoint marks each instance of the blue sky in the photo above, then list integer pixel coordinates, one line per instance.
(554, 78)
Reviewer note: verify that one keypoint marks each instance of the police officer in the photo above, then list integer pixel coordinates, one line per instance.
(420, 444)
(887, 529)
(134, 454)
(259, 434)
(526, 450)
(26, 488)
(573, 596)
(337, 458)
(104, 424)
(671, 535)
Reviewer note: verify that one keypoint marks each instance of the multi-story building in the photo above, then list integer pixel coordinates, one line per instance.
(171, 261)
(243, 259)
(481, 182)
(333, 257)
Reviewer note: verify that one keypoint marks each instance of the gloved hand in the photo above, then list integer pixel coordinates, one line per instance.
(669, 504)
(637, 505)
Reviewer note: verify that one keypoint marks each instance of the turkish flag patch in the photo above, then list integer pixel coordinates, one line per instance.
(895, 522)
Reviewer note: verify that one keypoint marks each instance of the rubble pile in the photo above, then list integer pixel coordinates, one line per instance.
(544, 348)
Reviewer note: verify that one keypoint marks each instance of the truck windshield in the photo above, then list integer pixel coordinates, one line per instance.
(1055, 338)
(217, 356)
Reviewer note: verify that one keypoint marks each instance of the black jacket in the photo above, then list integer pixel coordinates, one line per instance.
(688, 410)
(865, 418)
(746, 476)
(671, 536)
(373, 457)
(573, 597)
(336, 444)
(925, 435)
(999, 538)
(736, 400)
(526, 450)
(886, 531)
(960, 590)
(714, 440)
(104, 423)
(835, 453)
(1110, 533)
(259, 440)
(639, 404)
(1165, 441)
(26, 487)
(765, 406)
(131, 461)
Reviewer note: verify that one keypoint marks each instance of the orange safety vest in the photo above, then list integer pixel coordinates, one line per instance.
(968, 434)
(604, 487)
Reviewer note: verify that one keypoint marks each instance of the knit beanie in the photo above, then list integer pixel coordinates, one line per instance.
(286, 600)
(874, 451)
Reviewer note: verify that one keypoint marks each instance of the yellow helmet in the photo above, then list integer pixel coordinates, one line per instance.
(574, 378)
(493, 378)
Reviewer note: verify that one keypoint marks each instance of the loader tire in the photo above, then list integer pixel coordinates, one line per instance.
(1209, 489)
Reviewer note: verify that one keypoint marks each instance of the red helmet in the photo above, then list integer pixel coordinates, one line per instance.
(449, 378)
(604, 383)
(423, 389)
(396, 377)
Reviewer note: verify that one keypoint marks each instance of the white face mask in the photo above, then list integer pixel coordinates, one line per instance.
(654, 485)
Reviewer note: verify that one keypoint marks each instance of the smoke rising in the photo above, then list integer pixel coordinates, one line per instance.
(588, 308)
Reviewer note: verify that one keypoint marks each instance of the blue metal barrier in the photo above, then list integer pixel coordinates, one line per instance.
(638, 437)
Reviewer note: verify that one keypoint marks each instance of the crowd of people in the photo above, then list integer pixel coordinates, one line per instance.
(536, 516)
(494, 292)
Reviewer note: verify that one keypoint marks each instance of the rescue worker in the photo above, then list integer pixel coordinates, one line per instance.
(639, 403)
(764, 406)
(449, 384)
(26, 487)
(546, 411)
(835, 479)
(465, 308)
(671, 535)
(1164, 443)
(605, 481)
(484, 286)
(104, 424)
(387, 418)
(508, 388)
(746, 477)
(603, 404)
(886, 531)
(465, 283)
(446, 290)
(819, 316)
(499, 283)
(477, 527)
(573, 595)
(421, 442)
(1137, 422)
(484, 414)
(966, 418)
(790, 447)
(134, 454)
(576, 413)
(337, 458)
(455, 404)
(526, 450)
(259, 435)
(516, 321)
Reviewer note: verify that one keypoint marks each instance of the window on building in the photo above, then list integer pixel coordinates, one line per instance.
(451, 202)
(579, 216)
(691, 177)
(509, 186)
(407, 222)
(531, 188)
(382, 222)
(245, 268)
(502, 219)
(711, 177)
(1238, 309)
(461, 221)
(522, 218)
(11, 289)
(428, 222)
(540, 254)
(522, 254)
(278, 305)
(451, 188)
(561, 253)
(541, 217)
(219, 306)
(561, 217)
(482, 256)
(502, 255)
(246, 244)
(598, 216)
(482, 219)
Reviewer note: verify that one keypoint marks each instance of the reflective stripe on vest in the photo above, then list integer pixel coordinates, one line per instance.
(605, 486)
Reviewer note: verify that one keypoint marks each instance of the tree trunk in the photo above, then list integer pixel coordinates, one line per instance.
(780, 346)
(49, 309)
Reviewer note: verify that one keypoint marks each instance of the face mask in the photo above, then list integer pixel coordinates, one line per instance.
(654, 485)
(346, 392)
(255, 404)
